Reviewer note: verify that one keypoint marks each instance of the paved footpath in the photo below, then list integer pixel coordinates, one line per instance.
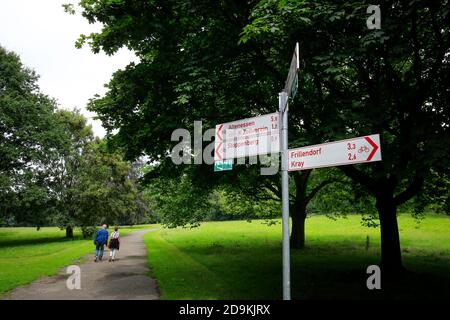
(126, 278)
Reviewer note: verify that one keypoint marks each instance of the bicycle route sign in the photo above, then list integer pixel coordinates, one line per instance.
(247, 137)
(350, 151)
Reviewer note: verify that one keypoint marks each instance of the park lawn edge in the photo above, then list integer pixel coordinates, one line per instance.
(78, 258)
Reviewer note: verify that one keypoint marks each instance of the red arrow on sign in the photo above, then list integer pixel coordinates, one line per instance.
(217, 151)
(219, 142)
(374, 145)
(218, 132)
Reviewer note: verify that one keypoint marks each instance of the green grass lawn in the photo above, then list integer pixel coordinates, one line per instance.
(242, 260)
(27, 254)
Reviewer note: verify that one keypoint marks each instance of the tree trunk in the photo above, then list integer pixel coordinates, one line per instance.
(383, 190)
(298, 212)
(69, 232)
(391, 256)
(298, 228)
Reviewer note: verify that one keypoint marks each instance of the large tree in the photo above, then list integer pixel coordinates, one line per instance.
(52, 170)
(105, 193)
(392, 81)
(191, 68)
(68, 168)
(29, 140)
(218, 62)
(91, 184)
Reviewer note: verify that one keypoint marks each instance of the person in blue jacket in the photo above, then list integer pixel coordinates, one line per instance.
(100, 240)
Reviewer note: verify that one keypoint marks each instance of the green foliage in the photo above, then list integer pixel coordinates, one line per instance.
(185, 201)
(228, 60)
(177, 202)
(190, 63)
(357, 81)
(29, 140)
(435, 195)
(52, 169)
(88, 232)
(228, 203)
(94, 186)
(69, 8)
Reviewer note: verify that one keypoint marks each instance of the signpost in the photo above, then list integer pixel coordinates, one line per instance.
(261, 135)
(223, 165)
(350, 151)
(290, 89)
(247, 137)
(283, 104)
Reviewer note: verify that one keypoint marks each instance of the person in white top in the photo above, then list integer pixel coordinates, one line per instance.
(114, 243)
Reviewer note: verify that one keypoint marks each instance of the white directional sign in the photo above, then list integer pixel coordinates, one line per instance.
(247, 137)
(350, 151)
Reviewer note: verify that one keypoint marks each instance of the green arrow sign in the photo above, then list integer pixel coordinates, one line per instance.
(223, 165)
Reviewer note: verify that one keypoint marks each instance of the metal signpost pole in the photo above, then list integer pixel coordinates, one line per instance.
(349, 151)
(283, 104)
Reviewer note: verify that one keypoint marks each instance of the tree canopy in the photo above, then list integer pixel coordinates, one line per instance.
(52, 169)
(227, 60)
(29, 140)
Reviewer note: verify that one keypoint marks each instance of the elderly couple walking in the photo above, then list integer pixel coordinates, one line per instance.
(101, 239)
